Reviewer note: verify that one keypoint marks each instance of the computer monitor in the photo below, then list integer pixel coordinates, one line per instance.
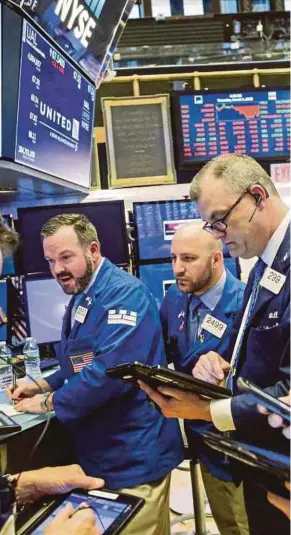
(108, 217)
(3, 310)
(157, 222)
(46, 304)
(255, 122)
(158, 278)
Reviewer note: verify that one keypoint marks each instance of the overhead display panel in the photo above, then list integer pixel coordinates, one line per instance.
(55, 112)
(86, 30)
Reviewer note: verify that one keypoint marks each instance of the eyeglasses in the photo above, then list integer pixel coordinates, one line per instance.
(220, 225)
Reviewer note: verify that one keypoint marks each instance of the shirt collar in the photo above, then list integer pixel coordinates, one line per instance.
(213, 295)
(274, 243)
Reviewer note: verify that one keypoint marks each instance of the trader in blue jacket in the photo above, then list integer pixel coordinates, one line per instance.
(241, 206)
(111, 319)
(197, 316)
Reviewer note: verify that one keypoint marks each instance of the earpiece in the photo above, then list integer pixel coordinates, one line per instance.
(258, 198)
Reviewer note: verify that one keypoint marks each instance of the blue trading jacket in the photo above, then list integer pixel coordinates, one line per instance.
(118, 435)
(174, 316)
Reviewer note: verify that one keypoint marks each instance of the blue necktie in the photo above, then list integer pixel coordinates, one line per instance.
(193, 318)
(77, 299)
(259, 270)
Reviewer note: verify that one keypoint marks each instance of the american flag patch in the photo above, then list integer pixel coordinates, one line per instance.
(80, 361)
(122, 317)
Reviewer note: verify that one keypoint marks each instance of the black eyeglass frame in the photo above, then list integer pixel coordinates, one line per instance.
(210, 227)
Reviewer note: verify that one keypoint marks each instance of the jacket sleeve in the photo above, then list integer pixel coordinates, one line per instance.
(113, 344)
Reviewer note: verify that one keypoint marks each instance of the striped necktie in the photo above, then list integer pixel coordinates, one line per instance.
(259, 270)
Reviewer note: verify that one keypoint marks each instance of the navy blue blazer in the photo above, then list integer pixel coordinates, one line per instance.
(265, 353)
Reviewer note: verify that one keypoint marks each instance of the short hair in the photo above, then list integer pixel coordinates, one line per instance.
(85, 230)
(236, 170)
(8, 239)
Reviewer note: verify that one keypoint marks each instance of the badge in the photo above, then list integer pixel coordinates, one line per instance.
(88, 300)
(81, 314)
(213, 326)
(181, 314)
(273, 280)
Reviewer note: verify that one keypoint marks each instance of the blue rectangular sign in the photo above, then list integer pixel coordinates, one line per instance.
(55, 112)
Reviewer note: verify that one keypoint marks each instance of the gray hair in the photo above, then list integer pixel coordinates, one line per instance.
(236, 170)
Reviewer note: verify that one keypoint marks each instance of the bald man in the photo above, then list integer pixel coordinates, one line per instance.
(197, 316)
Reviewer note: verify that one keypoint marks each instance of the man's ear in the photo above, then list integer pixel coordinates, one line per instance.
(260, 195)
(94, 249)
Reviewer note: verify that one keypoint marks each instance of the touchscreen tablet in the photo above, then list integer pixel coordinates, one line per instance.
(156, 376)
(113, 510)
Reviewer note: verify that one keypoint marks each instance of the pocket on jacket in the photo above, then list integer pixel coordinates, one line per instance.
(266, 348)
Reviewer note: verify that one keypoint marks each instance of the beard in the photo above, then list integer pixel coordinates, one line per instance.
(193, 286)
(81, 283)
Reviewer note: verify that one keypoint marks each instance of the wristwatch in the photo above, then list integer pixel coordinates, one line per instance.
(43, 401)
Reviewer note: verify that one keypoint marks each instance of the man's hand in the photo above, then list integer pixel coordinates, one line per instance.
(275, 420)
(34, 484)
(66, 522)
(281, 503)
(178, 404)
(31, 405)
(26, 389)
(211, 368)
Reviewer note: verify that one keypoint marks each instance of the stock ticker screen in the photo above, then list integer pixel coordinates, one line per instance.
(256, 123)
(55, 112)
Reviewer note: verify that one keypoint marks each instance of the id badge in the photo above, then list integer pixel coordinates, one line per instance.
(81, 314)
(273, 280)
(213, 326)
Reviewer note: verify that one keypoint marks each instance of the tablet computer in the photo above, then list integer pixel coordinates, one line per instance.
(272, 404)
(113, 510)
(155, 376)
(274, 463)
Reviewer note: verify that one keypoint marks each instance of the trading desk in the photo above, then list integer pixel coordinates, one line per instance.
(16, 448)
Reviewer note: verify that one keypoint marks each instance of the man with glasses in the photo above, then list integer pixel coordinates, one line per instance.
(241, 206)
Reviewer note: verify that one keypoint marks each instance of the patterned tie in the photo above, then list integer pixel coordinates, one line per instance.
(259, 270)
(193, 318)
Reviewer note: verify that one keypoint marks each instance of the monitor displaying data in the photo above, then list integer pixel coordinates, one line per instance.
(55, 112)
(157, 222)
(3, 310)
(158, 278)
(256, 123)
(46, 306)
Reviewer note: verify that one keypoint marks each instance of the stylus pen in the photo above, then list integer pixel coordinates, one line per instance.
(85, 505)
(14, 386)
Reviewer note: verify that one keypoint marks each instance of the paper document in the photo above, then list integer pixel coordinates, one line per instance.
(9, 409)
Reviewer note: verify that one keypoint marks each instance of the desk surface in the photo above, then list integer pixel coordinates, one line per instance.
(26, 420)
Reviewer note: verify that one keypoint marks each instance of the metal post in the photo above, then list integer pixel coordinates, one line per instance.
(198, 499)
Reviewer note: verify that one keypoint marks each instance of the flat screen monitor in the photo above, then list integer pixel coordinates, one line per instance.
(108, 218)
(87, 31)
(157, 222)
(158, 278)
(46, 304)
(55, 112)
(254, 122)
(3, 310)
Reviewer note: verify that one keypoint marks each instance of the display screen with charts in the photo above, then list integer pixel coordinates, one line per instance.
(254, 122)
(157, 222)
